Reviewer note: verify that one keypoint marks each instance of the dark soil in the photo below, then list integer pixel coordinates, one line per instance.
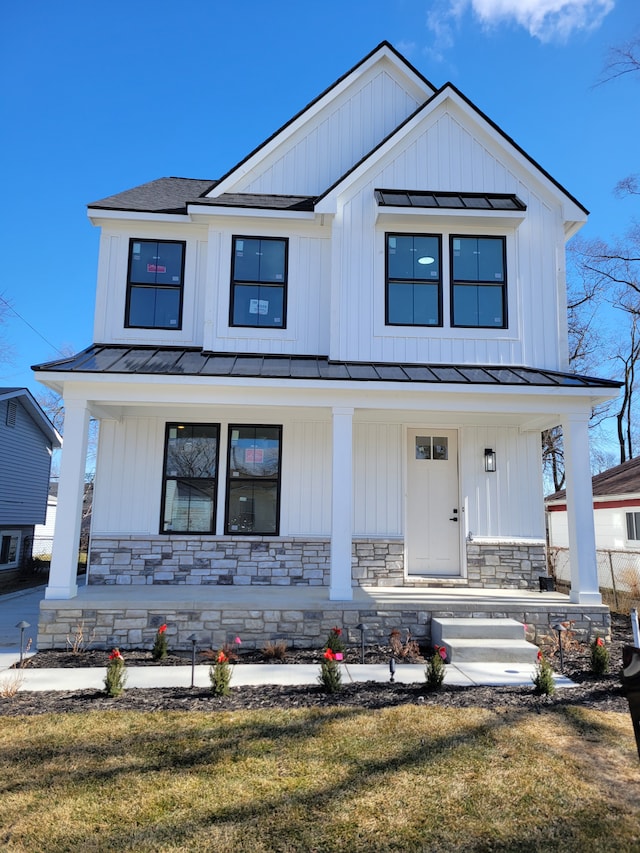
(599, 692)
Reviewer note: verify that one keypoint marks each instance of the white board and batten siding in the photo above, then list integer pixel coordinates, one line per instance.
(495, 504)
(326, 144)
(443, 154)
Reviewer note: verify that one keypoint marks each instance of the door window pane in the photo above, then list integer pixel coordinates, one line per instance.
(432, 448)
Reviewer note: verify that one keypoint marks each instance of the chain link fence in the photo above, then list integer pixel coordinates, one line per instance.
(618, 576)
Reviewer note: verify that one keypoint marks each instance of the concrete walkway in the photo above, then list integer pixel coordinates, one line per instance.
(24, 605)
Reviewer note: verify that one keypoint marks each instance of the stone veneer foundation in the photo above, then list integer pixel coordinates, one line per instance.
(126, 620)
(295, 561)
(265, 589)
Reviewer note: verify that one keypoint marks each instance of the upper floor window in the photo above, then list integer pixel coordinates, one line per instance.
(478, 282)
(190, 476)
(413, 280)
(259, 282)
(155, 284)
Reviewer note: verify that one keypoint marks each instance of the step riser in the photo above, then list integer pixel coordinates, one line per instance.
(483, 641)
(490, 654)
(476, 629)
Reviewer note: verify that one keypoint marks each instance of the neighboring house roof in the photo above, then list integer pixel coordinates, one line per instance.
(186, 361)
(623, 479)
(37, 414)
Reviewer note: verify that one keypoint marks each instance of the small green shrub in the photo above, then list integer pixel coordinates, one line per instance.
(160, 645)
(116, 676)
(220, 675)
(435, 670)
(330, 676)
(543, 679)
(600, 657)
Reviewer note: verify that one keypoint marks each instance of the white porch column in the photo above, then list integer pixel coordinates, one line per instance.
(66, 537)
(341, 505)
(582, 540)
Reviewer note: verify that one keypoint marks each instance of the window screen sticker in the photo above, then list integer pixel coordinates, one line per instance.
(254, 454)
(258, 306)
(136, 249)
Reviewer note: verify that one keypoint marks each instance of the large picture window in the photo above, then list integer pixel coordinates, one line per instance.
(259, 282)
(155, 284)
(413, 280)
(253, 481)
(190, 474)
(478, 282)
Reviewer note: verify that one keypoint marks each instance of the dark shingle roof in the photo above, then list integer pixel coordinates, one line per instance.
(185, 361)
(172, 195)
(164, 195)
(621, 480)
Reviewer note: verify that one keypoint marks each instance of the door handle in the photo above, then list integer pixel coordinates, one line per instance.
(455, 513)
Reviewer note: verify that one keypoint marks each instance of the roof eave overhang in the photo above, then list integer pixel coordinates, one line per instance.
(537, 407)
(97, 215)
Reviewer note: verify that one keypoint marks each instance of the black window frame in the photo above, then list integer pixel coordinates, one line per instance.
(467, 283)
(415, 282)
(243, 282)
(632, 521)
(277, 480)
(166, 477)
(154, 286)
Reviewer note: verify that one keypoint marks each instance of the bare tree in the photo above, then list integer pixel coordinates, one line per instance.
(622, 60)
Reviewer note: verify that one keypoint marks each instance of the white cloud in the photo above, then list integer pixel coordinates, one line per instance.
(546, 20)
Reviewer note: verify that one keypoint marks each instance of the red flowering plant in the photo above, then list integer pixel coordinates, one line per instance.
(600, 657)
(330, 676)
(116, 676)
(160, 645)
(220, 674)
(543, 677)
(435, 669)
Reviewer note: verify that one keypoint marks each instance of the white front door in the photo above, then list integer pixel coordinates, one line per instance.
(433, 520)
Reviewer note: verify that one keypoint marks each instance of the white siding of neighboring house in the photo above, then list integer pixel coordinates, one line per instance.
(610, 526)
(43, 533)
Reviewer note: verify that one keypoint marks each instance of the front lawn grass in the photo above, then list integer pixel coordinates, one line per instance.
(349, 780)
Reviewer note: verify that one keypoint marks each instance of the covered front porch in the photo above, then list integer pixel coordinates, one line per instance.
(128, 617)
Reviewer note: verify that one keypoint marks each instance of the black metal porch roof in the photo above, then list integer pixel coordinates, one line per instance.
(189, 361)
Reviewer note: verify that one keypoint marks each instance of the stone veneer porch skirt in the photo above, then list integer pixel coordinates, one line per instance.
(128, 617)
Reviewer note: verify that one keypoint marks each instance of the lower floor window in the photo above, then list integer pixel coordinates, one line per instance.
(190, 479)
(9, 548)
(253, 479)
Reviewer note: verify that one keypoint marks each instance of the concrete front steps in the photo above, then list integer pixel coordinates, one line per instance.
(483, 640)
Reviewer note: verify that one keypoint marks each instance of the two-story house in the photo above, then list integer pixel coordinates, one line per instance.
(321, 382)
(27, 441)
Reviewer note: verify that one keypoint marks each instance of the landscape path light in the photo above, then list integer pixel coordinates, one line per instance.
(362, 628)
(22, 625)
(194, 640)
(560, 628)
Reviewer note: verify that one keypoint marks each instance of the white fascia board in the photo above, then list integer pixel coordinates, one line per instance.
(527, 403)
(97, 215)
(206, 212)
(421, 91)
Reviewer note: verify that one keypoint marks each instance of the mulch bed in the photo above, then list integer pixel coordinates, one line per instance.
(602, 693)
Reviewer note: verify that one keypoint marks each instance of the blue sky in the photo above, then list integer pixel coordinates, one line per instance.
(98, 98)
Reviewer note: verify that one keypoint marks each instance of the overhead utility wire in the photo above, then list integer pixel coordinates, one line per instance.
(33, 329)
